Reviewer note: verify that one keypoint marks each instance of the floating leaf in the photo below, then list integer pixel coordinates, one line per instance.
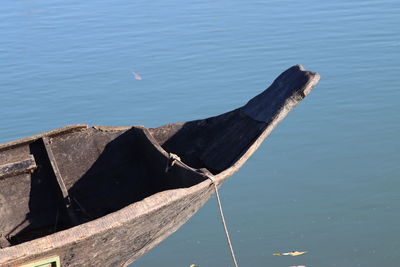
(292, 253)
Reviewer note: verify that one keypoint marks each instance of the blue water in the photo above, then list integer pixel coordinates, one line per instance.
(327, 179)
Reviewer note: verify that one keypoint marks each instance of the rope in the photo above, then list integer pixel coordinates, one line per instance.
(172, 159)
(221, 212)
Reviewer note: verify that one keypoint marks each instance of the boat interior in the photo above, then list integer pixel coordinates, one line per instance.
(75, 174)
(72, 175)
(55, 182)
(214, 143)
(58, 180)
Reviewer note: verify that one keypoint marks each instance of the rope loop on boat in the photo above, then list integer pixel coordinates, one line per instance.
(173, 158)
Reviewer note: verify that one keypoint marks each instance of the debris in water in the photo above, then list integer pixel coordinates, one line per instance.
(292, 253)
(136, 76)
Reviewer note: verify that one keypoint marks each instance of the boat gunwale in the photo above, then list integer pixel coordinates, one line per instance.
(52, 133)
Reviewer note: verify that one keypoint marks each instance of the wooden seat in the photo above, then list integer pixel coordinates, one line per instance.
(27, 164)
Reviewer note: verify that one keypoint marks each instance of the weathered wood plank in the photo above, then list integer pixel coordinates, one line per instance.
(30, 139)
(60, 181)
(14, 168)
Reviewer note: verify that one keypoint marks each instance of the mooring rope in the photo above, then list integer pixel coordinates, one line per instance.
(172, 159)
(221, 212)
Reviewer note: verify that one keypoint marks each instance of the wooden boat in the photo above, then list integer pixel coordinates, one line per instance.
(102, 196)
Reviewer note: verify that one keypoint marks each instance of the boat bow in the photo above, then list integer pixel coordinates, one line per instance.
(221, 144)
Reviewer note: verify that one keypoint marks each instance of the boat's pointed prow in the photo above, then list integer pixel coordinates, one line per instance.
(287, 90)
(217, 143)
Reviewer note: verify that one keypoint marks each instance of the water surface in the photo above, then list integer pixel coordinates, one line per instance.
(325, 181)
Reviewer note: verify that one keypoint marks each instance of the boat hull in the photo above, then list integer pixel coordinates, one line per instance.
(92, 166)
(117, 239)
